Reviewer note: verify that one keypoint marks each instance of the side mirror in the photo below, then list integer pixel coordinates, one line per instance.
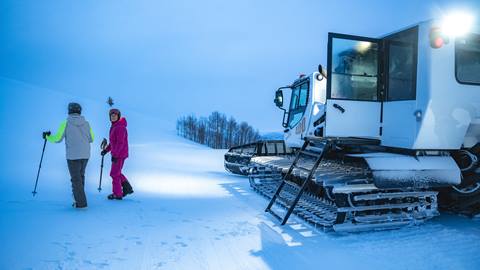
(279, 98)
(322, 71)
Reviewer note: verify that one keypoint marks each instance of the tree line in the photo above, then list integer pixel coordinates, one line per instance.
(216, 131)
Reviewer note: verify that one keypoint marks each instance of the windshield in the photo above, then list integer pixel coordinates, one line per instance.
(298, 103)
(467, 59)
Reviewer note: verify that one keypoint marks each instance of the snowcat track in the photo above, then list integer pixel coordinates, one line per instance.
(350, 202)
(317, 212)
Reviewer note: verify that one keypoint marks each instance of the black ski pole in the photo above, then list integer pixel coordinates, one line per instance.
(101, 172)
(103, 145)
(39, 167)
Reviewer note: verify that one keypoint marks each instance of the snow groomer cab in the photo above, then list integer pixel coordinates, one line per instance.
(407, 103)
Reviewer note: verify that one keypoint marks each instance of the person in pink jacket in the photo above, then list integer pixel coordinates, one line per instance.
(118, 147)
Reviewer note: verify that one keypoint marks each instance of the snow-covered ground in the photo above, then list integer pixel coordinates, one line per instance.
(186, 212)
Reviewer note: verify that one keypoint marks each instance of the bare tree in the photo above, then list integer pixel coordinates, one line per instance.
(216, 131)
(201, 131)
(231, 129)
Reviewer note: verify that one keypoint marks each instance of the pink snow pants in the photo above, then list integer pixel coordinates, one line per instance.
(117, 177)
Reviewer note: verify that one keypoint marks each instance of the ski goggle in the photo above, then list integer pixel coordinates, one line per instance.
(114, 111)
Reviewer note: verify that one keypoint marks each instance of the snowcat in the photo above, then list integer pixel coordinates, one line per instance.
(384, 138)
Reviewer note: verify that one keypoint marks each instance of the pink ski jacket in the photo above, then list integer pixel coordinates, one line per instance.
(119, 139)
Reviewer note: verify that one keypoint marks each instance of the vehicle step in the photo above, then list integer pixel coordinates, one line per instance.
(347, 189)
(381, 207)
(361, 227)
(393, 195)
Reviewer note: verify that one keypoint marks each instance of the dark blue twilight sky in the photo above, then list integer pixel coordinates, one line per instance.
(168, 58)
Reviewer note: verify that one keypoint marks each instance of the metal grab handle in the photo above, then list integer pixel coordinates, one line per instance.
(338, 107)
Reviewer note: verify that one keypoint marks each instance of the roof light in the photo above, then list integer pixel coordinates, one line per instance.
(438, 42)
(437, 38)
(457, 23)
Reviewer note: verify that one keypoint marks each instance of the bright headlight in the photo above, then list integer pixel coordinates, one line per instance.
(457, 23)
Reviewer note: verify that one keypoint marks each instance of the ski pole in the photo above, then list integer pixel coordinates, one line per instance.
(103, 145)
(39, 167)
(101, 172)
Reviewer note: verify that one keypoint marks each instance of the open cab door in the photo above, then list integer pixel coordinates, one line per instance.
(354, 100)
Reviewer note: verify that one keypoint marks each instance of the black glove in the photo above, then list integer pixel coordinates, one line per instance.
(104, 144)
(114, 159)
(45, 134)
(104, 152)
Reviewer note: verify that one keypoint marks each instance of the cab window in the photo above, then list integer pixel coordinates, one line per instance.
(354, 69)
(402, 65)
(298, 103)
(467, 59)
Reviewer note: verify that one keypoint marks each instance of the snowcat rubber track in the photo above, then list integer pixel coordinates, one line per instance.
(237, 159)
(345, 199)
(315, 211)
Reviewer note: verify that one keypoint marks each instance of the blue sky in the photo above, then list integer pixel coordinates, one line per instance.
(169, 58)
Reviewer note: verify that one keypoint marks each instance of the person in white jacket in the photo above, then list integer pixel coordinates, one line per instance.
(78, 135)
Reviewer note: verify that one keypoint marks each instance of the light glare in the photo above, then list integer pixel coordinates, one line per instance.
(363, 46)
(457, 24)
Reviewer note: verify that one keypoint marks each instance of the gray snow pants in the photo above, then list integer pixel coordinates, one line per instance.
(77, 174)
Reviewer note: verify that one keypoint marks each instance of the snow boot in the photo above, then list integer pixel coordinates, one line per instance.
(127, 188)
(113, 197)
(75, 205)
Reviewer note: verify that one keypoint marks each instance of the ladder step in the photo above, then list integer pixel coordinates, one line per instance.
(283, 200)
(310, 153)
(292, 184)
(274, 214)
(303, 168)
